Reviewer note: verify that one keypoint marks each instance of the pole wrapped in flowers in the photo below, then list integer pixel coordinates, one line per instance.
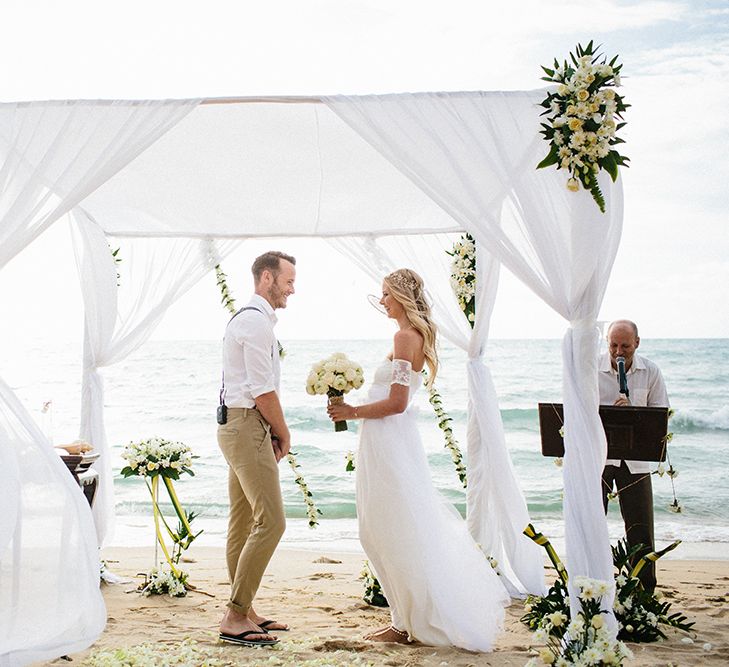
(153, 459)
(582, 112)
(335, 376)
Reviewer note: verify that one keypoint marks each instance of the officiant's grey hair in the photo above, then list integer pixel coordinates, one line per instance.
(270, 260)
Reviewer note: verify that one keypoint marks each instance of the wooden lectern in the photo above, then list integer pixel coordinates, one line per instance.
(636, 434)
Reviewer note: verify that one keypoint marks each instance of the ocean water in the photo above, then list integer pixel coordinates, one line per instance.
(170, 389)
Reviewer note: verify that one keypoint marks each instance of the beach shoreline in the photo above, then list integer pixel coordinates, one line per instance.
(319, 593)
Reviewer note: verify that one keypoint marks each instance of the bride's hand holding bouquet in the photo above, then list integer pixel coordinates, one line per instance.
(335, 376)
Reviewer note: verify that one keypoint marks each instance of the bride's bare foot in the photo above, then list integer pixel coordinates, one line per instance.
(389, 634)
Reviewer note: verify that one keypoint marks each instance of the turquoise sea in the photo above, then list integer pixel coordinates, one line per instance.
(170, 389)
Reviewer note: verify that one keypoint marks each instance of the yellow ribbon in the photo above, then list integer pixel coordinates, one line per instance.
(542, 541)
(653, 556)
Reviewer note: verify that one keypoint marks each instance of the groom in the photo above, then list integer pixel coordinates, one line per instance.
(254, 438)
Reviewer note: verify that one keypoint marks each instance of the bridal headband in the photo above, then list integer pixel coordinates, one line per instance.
(401, 281)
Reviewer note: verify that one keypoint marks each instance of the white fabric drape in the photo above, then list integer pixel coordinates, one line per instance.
(52, 155)
(475, 156)
(154, 273)
(496, 509)
(50, 603)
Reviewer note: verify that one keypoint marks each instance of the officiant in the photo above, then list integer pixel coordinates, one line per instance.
(631, 479)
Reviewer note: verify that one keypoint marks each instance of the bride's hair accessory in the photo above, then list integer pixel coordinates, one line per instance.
(401, 280)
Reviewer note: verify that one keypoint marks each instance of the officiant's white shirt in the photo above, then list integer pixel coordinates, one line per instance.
(646, 389)
(251, 364)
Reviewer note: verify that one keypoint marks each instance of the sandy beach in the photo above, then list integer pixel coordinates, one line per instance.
(319, 595)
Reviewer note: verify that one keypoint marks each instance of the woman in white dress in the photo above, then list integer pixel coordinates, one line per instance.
(440, 587)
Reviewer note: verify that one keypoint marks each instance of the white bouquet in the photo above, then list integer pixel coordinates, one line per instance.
(157, 456)
(335, 376)
(584, 113)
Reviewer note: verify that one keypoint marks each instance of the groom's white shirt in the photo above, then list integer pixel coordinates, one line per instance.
(251, 364)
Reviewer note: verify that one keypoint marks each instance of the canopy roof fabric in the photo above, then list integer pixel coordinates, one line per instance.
(256, 168)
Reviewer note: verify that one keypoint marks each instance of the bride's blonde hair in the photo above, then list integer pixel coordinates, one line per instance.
(406, 287)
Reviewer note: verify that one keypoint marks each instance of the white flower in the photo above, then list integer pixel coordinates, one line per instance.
(557, 619)
(573, 184)
(541, 636)
(546, 656)
(320, 387)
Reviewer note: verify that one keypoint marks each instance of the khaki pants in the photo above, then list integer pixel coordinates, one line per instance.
(257, 520)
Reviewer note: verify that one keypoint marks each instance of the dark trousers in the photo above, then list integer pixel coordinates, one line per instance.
(635, 493)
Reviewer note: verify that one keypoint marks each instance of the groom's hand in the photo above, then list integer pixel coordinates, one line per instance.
(281, 447)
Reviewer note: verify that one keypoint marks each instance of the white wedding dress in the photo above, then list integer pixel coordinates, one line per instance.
(440, 587)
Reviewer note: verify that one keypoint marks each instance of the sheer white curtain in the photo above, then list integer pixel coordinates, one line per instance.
(474, 155)
(153, 274)
(50, 603)
(496, 508)
(52, 155)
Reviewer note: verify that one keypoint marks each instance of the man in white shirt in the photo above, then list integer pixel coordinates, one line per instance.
(254, 438)
(631, 479)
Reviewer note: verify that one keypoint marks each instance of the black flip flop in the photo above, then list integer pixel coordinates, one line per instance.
(266, 625)
(241, 638)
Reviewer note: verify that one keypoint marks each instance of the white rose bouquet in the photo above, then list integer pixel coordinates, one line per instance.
(155, 459)
(335, 376)
(581, 114)
(157, 456)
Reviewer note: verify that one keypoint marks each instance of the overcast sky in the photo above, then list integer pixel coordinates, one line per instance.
(672, 270)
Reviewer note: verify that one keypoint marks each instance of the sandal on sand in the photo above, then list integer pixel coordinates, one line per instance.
(266, 625)
(241, 638)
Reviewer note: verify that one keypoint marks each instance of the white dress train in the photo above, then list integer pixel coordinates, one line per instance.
(440, 587)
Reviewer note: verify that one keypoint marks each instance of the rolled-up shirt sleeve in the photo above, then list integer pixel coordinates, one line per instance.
(257, 356)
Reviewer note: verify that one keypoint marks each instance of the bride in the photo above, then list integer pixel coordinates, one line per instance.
(440, 587)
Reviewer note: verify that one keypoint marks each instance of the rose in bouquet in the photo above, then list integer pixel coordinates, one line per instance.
(335, 376)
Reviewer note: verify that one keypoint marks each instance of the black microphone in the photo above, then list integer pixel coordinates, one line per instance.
(622, 380)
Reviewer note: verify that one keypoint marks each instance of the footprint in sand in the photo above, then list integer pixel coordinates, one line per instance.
(321, 575)
(342, 645)
(324, 559)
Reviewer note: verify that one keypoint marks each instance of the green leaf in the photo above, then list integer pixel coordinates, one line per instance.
(609, 164)
(550, 72)
(552, 158)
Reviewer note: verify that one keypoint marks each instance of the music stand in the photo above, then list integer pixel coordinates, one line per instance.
(633, 433)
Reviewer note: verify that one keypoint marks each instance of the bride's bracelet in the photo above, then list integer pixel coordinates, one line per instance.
(356, 416)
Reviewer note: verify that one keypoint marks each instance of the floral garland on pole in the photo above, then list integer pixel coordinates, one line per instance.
(153, 459)
(672, 473)
(225, 297)
(451, 443)
(463, 275)
(581, 128)
(312, 512)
